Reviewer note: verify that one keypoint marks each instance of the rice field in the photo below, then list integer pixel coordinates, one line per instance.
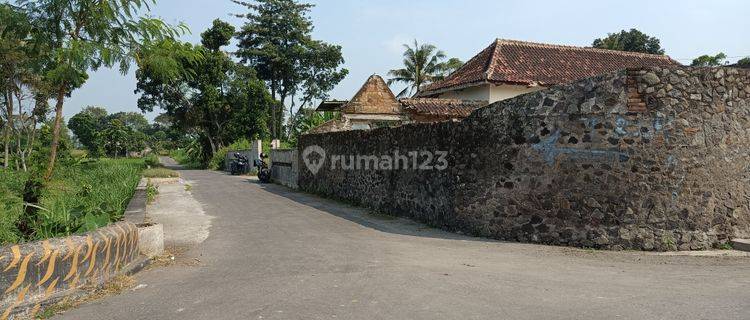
(79, 198)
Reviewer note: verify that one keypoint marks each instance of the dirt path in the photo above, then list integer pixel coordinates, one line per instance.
(276, 254)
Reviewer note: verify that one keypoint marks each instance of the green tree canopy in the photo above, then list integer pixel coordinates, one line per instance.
(276, 41)
(633, 40)
(203, 91)
(86, 127)
(423, 64)
(744, 63)
(217, 36)
(111, 134)
(84, 35)
(710, 61)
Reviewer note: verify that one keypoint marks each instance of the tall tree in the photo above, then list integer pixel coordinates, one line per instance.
(744, 63)
(85, 126)
(705, 60)
(15, 31)
(202, 90)
(633, 40)
(423, 64)
(276, 41)
(84, 35)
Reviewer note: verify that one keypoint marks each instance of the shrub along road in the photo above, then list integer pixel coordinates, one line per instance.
(276, 254)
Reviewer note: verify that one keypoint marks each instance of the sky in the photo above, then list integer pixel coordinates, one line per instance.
(372, 33)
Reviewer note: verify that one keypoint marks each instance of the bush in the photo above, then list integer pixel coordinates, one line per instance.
(183, 157)
(152, 160)
(11, 204)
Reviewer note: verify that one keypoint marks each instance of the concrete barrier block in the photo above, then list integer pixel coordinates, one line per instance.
(151, 239)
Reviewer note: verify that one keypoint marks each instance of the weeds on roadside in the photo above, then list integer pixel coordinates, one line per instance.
(81, 196)
(151, 192)
(160, 173)
(726, 246)
(113, 286)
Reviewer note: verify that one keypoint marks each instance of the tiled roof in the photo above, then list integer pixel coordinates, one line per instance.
(331, 105)
(442, 107)
(375, 97)
(528, 63)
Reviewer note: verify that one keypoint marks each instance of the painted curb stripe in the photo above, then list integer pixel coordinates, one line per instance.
(16, 257)
(21, 274)
(92, 261)
(50, 268)
(74, 264)
(47, 251)
(71, 248)
(90, 244)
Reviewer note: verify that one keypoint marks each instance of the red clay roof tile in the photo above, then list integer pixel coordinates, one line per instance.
(528, 63)
(442, 107)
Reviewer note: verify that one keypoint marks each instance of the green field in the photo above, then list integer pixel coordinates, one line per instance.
(79, 198)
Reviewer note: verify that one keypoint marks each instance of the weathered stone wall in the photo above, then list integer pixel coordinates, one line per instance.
(284, 167)
(652, 159)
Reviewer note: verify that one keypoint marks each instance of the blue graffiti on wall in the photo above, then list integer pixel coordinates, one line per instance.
(550, 151)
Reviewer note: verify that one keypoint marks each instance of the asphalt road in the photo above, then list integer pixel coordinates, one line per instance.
(276, 254)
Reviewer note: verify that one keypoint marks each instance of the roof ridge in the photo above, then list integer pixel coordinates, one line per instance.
(563, 46)
(491, 67)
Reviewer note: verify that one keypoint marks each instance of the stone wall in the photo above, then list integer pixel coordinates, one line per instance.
(652, 159)
(284, 167)
(251, 155)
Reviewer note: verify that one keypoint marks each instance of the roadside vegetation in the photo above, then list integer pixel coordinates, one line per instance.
(79, 197)
(160, 173)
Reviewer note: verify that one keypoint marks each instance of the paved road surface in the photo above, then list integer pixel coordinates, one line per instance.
(275, 254)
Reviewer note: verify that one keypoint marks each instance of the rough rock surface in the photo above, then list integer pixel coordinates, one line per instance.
(652, 159)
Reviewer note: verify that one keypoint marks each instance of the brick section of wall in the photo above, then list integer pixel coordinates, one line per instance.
(635, 100)
(576, 164)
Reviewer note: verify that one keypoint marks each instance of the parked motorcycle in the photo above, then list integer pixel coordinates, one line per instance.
(264, 173)
(239, 164)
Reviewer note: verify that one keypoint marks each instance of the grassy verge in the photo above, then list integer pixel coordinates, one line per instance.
(79, 198)
(160, 173)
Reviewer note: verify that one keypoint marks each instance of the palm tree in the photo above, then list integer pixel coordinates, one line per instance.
(423, 64)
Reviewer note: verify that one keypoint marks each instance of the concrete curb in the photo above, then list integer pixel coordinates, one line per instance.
(36, 272)
(741, 244)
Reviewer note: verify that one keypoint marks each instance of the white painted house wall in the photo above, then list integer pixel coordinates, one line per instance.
(502, 92)
(471, 93)
(488, 92)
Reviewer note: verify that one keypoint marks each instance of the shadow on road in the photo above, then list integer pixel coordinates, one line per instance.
(364, 216)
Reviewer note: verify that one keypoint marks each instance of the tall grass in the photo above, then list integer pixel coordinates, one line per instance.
(182, 157)
(80, 197)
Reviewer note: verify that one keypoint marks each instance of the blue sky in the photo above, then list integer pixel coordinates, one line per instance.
(372, 32)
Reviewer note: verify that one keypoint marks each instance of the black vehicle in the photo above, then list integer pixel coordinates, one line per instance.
(264, 173)
(239, 165)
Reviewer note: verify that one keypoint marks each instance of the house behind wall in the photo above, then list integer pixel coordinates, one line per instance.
(508, 68)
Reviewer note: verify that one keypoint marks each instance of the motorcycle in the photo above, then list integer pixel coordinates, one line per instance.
(264, 173)
(239, 164)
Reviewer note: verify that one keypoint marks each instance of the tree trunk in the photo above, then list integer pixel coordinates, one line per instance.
(273, 108)
(211, 142)
(9, 105)
(30, 143)
(18, 132)
(56, 132)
